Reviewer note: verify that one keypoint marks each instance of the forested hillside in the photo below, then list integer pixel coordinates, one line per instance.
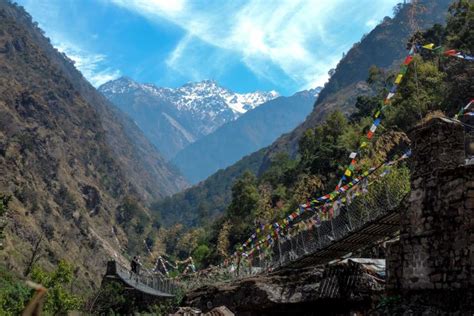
(78, 173)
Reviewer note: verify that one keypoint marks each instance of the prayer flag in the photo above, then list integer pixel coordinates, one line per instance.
(352, 155)
(399, 78)
(370, 134)
(428, 46)
(408, 60)
(373, 128)
(403, 69)
(348, 173)
(450, 52)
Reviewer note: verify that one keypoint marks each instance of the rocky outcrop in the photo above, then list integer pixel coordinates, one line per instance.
(342, 287)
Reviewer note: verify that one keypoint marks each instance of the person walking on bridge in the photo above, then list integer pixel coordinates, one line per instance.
(133, 266)
(138, 265)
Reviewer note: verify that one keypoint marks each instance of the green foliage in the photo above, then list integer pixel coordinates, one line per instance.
(460, 25)
(366, 106)
(110, 298)
(320, 147)
(420, 92)
(201, 253)
(14, 294)
(280, 170)
(200, 204)
(59, 300)
(242, 209)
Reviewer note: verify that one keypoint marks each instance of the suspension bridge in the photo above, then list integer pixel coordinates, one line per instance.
(146, 283)
(370, 217)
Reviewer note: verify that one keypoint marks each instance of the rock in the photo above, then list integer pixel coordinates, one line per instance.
(348, 285)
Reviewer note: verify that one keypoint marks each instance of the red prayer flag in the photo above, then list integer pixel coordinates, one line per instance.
(408, 60)
(370, 134)
(450, 52)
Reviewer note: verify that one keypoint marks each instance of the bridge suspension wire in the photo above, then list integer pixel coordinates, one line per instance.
(306, 238)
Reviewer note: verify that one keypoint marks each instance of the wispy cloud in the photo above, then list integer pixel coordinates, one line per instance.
(300, 38)
(91, 65)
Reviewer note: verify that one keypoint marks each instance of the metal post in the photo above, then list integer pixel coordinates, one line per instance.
(302, 240)
(279, 252)
(332, 229)
(319, 237)
(349, 218)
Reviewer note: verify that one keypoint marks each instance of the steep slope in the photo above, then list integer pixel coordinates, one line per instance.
(387, 41)
(175, 118)
(206, 200)
(67, 157)
(253, 130)
(383, 47)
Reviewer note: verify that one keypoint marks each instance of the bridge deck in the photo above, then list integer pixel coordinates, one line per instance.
(144, 284)
(370, 233)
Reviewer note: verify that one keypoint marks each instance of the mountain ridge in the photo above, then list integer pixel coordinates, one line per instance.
(252, 131)
(174, 118)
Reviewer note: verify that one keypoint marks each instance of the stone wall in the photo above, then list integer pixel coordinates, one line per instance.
(435, 252)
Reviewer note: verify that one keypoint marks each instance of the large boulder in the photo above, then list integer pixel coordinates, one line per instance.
(340, 287)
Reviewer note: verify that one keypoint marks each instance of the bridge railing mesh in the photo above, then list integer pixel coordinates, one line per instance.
(377, 201)
(146, 279)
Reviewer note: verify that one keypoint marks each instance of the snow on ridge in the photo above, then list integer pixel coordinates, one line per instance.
(196, 97)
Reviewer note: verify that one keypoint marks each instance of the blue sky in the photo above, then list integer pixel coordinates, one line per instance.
(282, 45)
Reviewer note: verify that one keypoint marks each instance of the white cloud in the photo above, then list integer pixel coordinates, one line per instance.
(300, 38)
(89, 64)
(371, 23)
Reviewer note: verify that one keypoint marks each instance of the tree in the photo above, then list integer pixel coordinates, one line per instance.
(241, 211)
(14, 294)
(223, 244)
(421, 91)
(59, 300)
(35, 255)
(244, 196)
(460, 25)
(320, 149)
(201, 252)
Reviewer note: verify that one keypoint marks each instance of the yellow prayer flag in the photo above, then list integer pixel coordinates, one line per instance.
(399, 79)
(428, 46)
(363, 144)
(348, 173)
(377, 114)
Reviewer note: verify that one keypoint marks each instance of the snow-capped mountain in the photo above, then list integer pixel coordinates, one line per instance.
(174, 118)
(252, 131)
